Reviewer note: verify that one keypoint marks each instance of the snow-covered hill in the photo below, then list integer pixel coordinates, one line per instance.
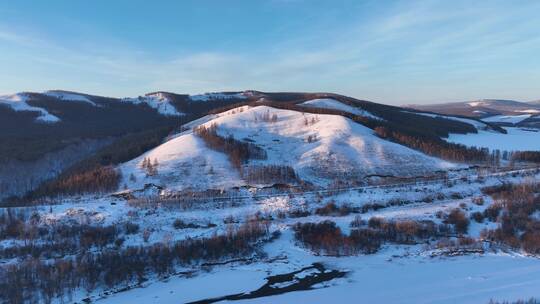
(18, 102)
(320, 148)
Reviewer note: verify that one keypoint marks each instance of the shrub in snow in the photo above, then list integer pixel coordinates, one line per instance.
(460, 221)
(131, 228)
(477, 216)
(333, 210)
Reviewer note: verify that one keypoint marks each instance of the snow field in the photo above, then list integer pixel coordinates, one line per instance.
(327, 103)
(516, 139)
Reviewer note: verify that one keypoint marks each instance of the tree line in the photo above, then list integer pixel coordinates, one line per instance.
(100, 179)
(435, 147)
(327, 238)
(526, 156)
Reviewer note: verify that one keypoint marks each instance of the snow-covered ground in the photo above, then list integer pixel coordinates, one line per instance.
(328, 103)
(18, 102)
(318, 147)
(517, 139)
(406, 273)
(101, 210)
(396, 274)
(157, 101)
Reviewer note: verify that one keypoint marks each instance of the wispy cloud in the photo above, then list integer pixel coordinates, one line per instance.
(388, 57)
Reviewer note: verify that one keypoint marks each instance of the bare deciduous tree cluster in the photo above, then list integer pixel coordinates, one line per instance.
(238, 152)
(327, 238)
(151, 167)
(269, 174)
(514, 209)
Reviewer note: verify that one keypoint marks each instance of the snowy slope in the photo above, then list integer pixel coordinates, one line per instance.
(69, 96)
(341, 149)
(184, 162)
(328, 103)
(157, 101)
(18, 102)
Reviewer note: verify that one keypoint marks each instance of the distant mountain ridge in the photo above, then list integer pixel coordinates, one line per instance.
(499, 111)
(479, 108)
(41, 131)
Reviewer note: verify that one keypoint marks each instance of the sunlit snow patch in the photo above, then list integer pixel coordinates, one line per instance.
(328, 103)
(68, 96)
(157, 101)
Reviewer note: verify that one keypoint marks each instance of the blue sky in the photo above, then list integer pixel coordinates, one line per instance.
(387, 51)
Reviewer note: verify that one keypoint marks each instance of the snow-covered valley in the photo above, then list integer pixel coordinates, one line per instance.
(416, 273)
(517, 139)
